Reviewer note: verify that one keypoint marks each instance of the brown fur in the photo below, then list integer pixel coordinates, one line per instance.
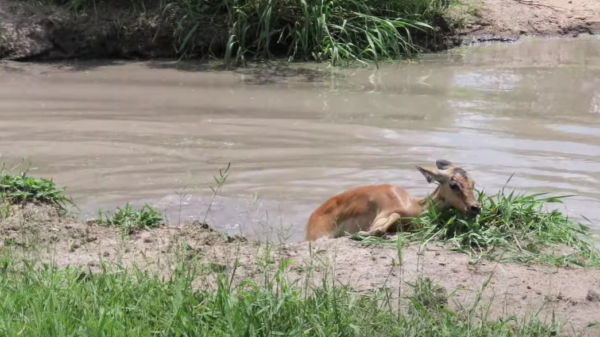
(378, 209)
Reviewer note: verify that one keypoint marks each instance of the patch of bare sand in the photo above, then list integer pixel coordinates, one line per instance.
(511, 18)
(571, 293)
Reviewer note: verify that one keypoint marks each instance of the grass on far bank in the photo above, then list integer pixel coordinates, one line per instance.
(129, 302)
(511, 228)
(321, 30)
(340, 32)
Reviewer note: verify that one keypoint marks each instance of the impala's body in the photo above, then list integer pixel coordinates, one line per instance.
(376, 210)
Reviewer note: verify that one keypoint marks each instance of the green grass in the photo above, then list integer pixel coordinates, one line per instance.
(50, 302)
(20, 188)
(512, 228)
(131, 220)
(337, 31)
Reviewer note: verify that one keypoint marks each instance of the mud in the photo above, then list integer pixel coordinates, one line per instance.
(520, 290)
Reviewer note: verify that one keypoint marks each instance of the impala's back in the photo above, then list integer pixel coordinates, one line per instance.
(354, 210)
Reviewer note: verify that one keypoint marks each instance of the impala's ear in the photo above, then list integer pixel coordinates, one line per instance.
(433, 174)
(443, 164)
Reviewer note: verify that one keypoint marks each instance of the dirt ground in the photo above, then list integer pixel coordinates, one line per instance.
(512, 18)
(572, 293)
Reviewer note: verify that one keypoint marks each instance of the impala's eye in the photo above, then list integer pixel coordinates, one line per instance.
(454, 186)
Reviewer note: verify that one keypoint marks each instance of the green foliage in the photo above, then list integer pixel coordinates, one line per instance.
(130, 219)
(334, 30)
(21, 188)
(50, 302)
(338, 31)
(512, 227)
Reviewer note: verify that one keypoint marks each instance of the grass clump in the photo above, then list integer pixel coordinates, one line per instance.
(512, 227)
(50, 302)
(20, 188)
(131, 220)
(333, 30)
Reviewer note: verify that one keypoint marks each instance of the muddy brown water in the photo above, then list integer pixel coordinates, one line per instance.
(158, 132)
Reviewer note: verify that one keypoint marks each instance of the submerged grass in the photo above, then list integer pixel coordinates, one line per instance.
(50, 302)
(511, 228)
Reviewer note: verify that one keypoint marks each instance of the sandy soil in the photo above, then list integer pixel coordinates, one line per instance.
(511, 18)
(572, 293)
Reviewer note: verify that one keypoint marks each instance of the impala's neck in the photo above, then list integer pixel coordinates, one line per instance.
(435, 197)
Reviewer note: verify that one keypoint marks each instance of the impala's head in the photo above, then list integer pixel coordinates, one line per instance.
(456, 186)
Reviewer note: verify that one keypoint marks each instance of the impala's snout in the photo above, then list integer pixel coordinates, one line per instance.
(475, 209)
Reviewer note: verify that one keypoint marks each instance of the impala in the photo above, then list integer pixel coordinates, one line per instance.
(376, 210)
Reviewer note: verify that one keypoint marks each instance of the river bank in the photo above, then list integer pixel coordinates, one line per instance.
(156, 29)
(516, 269)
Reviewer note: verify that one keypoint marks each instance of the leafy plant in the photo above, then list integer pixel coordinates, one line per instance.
(130, 219)
(511, 227)
(21, 189)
